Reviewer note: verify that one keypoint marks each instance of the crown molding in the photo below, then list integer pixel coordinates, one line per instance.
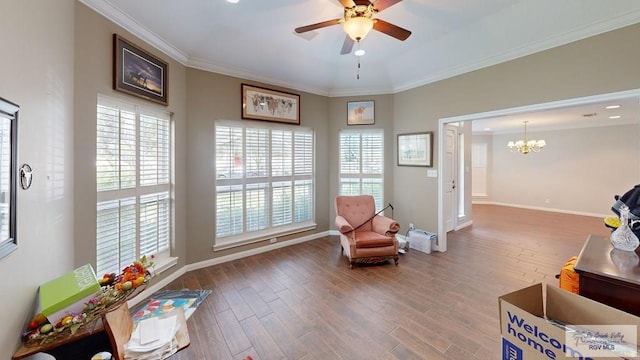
(106, 9)
(578, 34)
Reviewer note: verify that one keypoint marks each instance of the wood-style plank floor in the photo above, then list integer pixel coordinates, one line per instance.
(303, 301)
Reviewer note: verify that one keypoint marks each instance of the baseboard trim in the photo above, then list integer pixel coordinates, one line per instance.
(562, 211)
(464, 225)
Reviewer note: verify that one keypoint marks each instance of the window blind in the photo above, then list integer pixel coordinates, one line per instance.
(362, 164)
(264, 180)
(133, 183)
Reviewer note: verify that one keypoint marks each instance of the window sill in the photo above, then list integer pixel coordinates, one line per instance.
(164, 264)
(251, 238)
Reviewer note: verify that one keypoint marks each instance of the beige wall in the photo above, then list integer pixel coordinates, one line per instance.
(598, 65)
(217, 97)
(579, 171)
(383, 113)
(37, 74)
(93, 76)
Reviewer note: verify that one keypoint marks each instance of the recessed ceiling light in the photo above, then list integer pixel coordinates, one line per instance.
(233, 1)
(487, 129)
(359, 52)
(613, 107)
(615, 117)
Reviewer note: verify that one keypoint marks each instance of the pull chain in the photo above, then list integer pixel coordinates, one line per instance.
(358, 53)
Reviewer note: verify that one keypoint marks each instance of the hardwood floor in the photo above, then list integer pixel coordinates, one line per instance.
(303, 301)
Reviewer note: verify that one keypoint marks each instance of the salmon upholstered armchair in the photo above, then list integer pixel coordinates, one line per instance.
(365, 237)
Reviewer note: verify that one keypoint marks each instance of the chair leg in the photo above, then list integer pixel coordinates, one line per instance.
(395, 259)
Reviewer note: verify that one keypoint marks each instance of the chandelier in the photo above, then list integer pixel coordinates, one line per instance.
(525, 146)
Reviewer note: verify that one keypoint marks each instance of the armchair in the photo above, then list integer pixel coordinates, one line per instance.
(364, 236)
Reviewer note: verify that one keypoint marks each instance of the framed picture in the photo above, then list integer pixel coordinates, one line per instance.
(360, 113)
(136, 72)
(271, 105)
(415, 149)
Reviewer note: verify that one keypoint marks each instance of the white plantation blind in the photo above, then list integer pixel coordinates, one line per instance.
(154, 151)
(282, 203)
(5, 175)
(302, 186)
(116, 234)
(154, 223)
(264, 180)
(281, 151)
(361, 164)
(116, 148)
(133, 183)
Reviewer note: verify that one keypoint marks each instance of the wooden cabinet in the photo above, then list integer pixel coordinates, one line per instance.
(609, 275)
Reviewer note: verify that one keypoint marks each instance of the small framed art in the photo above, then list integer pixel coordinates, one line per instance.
(360, 113)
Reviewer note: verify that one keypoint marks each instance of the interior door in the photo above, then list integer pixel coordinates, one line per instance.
(449, 210)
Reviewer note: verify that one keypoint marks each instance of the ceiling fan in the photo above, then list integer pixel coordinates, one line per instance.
(358, 20)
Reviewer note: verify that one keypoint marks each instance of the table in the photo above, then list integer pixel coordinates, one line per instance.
(608, 275)
(90, 340)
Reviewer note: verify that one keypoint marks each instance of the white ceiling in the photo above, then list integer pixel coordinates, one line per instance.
(589, 114)
(254, 40)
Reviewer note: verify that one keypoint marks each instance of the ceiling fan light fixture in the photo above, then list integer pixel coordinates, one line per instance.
(358, 27)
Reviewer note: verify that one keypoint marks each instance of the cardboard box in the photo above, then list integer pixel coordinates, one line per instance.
(535, 327)
(67, 294)
(422, 240)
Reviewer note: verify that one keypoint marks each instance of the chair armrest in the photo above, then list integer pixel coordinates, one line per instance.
(384, 225)
(343, 225)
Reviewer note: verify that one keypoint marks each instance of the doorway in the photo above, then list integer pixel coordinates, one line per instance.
(446, 165)
(450, 177)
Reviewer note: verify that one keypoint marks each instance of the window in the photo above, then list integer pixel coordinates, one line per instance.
(361, 164)
(8, 173)
(264, 181)
(133, 184)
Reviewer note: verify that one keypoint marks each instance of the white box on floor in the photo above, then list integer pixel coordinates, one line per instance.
(402, 241)
(421, 240)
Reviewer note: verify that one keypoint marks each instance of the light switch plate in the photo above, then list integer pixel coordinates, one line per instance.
(432, 173)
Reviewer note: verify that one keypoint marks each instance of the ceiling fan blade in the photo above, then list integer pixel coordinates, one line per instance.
(383, 4)
(391, 30)
(319, 25)
(362, 2)
(347, 3)
(347, 46)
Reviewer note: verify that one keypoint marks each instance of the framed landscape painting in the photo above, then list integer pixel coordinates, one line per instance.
(136, 72)
(415, 149)
(270, 105)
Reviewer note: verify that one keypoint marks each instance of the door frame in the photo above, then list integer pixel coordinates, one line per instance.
(442, 234)
(454, 174)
